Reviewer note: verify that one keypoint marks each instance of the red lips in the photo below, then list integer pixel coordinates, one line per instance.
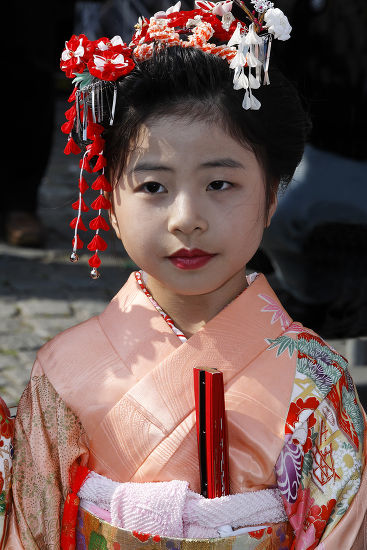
(184, 253)
(190, 259)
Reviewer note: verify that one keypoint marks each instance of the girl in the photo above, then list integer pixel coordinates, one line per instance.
(188, 159)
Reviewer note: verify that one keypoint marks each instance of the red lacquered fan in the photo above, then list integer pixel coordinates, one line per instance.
(211, 432)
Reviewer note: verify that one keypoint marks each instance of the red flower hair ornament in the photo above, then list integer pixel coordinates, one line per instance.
(96, 65)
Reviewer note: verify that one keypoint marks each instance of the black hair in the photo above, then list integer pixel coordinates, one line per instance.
(189, 82)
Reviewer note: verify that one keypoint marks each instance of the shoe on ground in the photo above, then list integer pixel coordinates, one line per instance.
(24, 229)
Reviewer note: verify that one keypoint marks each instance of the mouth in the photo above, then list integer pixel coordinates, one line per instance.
(190, 259)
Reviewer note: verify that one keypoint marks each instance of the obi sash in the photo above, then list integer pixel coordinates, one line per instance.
(93, 533)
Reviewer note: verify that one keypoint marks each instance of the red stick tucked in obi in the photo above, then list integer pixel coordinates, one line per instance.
(211, 432)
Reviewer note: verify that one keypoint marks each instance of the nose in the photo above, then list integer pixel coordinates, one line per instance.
(185, 215)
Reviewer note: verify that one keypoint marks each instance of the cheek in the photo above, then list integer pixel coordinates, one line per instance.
(246, 226)
(138, 233)
(129, 218)
(137, 247)
(247, 218)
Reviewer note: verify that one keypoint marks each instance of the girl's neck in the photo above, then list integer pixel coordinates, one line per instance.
(191, 313)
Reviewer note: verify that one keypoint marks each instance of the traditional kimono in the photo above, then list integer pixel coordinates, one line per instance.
(116, 393)
(6, 453)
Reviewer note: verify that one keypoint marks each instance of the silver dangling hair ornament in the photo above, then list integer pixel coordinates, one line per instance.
(253, 49)
(113, 103)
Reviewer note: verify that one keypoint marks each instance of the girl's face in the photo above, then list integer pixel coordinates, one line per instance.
(189, 186)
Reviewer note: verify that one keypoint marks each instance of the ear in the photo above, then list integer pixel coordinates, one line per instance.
(113, 220)
(272, 209)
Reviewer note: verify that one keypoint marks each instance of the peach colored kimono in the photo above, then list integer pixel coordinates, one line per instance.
(116, 393)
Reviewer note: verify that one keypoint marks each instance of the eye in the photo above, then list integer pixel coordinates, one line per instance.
(219, 185)
(153, 188)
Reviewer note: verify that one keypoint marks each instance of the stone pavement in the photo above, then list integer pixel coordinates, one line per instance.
(42, 293)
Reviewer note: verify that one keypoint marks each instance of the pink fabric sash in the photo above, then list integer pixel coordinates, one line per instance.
(171, 509)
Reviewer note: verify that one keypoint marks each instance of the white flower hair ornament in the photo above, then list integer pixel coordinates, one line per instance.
(95, 66)
(277, 24)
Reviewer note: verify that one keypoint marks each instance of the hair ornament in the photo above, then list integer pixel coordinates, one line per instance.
(237, 31)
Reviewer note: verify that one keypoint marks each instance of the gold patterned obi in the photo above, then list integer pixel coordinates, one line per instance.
(93, 533)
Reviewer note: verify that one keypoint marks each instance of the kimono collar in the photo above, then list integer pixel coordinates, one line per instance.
(246, 323)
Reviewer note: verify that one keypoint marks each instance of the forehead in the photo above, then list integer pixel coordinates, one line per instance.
(173, 138)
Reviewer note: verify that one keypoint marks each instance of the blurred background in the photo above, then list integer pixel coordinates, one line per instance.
(315, 251)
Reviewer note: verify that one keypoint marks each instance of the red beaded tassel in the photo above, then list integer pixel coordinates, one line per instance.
(80, 206)
(87, 121)
(102, 185)
(70, 513)
(71, 147)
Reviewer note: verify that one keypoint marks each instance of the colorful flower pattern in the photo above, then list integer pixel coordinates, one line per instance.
(92, 532)
(273, 306)
(319, 468)
(6, 452)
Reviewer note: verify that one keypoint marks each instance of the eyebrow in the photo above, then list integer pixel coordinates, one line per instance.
(222, 163)
(150, 167)
(215, 163)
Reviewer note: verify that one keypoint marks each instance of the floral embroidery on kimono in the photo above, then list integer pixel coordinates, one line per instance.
(6, 455)
(319, 468)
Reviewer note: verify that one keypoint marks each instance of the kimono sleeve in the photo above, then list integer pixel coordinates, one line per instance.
(6, 451)
(321, 469)
(48, 440)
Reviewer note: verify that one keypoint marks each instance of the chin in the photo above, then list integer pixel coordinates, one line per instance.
(194, 288)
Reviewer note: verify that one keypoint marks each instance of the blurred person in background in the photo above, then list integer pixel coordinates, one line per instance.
(317, 242)
(37, 45)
